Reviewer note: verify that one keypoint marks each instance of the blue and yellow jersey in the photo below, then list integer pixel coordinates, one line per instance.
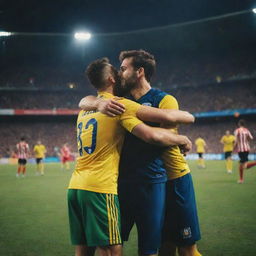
(174, 162)
(141, 162)
(39, 151)
(228, 143)
(100, 139)
(200, 145)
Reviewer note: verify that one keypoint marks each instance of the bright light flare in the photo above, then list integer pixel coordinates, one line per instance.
(4, 33)
(82, 36)
(254, 10)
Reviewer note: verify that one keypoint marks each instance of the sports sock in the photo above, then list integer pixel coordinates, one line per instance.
(197, 253)
(41, 166)
(250, 164)
(230, 164)
(67, 165)
(203, 164)
(227, 166)
(241, 172)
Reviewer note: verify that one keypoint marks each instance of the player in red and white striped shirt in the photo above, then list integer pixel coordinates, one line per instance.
(23, 153)
(65, 156)
(242, 146)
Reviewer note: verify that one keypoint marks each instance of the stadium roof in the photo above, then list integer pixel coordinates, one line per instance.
(108, 16)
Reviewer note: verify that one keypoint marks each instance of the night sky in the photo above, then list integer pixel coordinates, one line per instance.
(108, 16)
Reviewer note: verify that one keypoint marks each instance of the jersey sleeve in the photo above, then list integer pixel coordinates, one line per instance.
(249, 134)
(128, 119)
(168, 102)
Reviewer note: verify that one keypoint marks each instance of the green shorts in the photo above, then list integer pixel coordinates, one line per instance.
(94, 218)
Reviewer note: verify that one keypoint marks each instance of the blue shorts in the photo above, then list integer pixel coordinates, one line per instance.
(143, 205)
(181, 221)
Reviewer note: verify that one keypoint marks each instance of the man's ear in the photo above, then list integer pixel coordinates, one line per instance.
(141, 72)
(111, 79)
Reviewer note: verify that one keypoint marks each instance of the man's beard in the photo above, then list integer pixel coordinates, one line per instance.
(124, 87)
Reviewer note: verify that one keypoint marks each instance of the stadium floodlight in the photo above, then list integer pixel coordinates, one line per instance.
(82, 36)
(4, 33)
(254, 10)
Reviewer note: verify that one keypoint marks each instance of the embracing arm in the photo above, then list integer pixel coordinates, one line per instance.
(112, 107)
(161, 136)
(164, 116)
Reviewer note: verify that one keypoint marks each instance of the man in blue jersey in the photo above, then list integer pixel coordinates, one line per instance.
(142, 177)
(142, 174)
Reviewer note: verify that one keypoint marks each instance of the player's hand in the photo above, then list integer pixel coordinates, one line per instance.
(111, 107)
(186, 146)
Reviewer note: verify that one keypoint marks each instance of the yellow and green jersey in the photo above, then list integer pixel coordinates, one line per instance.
(175, 163)
(39, 151)
(228, 142)
(200, 145)
(100, 139)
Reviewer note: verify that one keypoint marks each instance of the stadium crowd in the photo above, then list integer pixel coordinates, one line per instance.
(211, 98)
(200, 84)
(171, 72)
(206, 70)
(54, 134)
(217, 97)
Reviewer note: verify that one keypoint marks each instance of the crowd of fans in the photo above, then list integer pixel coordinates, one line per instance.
(171, 72)
(202, 71)
(40, 99)
(194, 99)
(54, 134)
(40, 77)
(240, 95)
(200, 84)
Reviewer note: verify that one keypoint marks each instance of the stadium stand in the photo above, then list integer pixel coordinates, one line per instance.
(194, 99)
(53, 132)
(204, 75)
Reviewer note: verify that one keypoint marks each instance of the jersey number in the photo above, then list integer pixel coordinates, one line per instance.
(88, 150)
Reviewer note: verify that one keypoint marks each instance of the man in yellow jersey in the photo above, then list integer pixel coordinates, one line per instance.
(200, 149)
(39, 152)
(228, 140)
(145, 171)
(92, 195)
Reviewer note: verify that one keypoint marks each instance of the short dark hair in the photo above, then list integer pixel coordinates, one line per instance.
(95, 72)
(141, 58)
(241, 122)
(22, 138)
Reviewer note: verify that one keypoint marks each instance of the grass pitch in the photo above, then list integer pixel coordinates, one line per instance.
(33, 212)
